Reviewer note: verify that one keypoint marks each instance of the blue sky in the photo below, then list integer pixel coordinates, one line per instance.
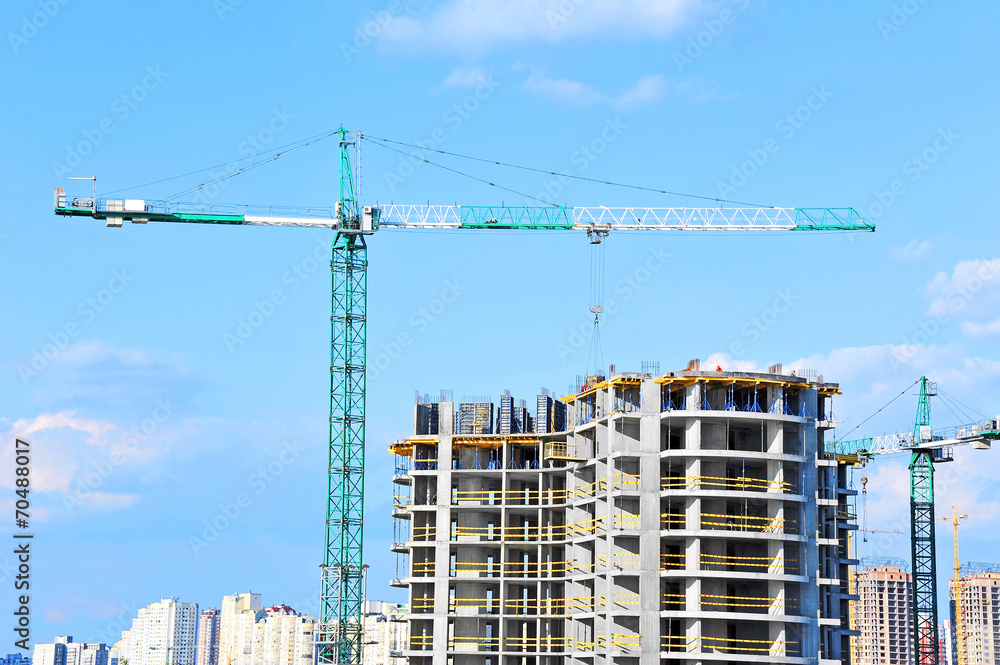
(146, 424)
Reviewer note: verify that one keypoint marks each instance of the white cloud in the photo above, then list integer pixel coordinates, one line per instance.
(466, 77)
(476, 25)
(914, 250)
(981, 329)
(971, 293)
(973, 286)
(564, 90)
(647, 89)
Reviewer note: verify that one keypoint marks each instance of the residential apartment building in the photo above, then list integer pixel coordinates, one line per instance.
(250, 634)
(384, 632)
(162, 633)
(207, 651)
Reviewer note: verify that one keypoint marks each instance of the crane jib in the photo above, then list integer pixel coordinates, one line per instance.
(396, 216)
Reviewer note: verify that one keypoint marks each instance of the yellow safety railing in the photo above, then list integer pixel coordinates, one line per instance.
(424, 532)
(626, 599)
(480, 642)
(620, 559)
(776, 564)
(770, 647)
(711, 600)
(626, 640)
(557, 450)
(422, 604)
(423, 568)
(625, 481)
(581, 604)
(672, 561)
(749, 523)
(727, 645)
(738, 484)
(491, 605)
(627, 521)
(672, 521)
(421, 642)
(401, 500)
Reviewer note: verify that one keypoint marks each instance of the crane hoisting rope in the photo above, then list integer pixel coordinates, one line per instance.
(884, 407)
(375, 139)
(596, 358)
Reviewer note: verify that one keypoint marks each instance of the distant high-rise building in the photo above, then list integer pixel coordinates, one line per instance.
(53, 653)
(64, 651)
(163, 633)
(87, 653)
(15, 659)
(250, 635)
(883, 615)
(385, 633)
(237, 617)
(208, 637)
(979, 629)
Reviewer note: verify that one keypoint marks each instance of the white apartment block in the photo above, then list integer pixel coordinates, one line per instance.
(162, 634)
(384, 633)
(251, 635)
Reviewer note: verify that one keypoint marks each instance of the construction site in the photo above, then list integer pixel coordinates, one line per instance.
(687, 517)
(645, 517)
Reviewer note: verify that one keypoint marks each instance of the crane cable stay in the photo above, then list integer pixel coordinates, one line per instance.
(338, 631)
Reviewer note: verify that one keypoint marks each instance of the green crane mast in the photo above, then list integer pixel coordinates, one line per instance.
(342, 572)
(926, 448)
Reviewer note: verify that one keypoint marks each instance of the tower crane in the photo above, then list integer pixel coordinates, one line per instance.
(927, 447)
(956, 520)
(339, 627)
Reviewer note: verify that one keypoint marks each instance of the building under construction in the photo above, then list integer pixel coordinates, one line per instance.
(883, 616)
(974, 638)
(691, 517)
